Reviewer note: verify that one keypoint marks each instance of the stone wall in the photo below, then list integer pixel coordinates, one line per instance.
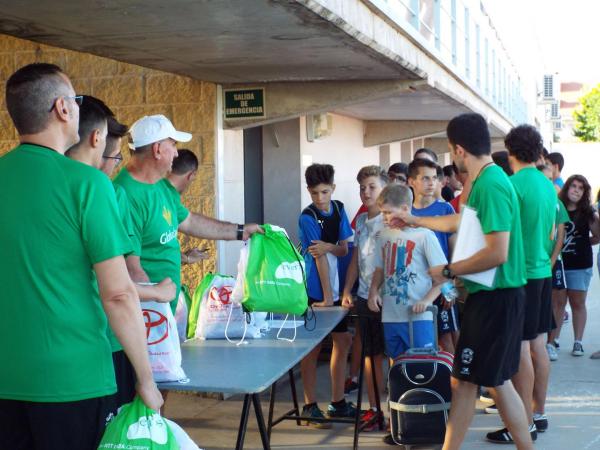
(132, 92)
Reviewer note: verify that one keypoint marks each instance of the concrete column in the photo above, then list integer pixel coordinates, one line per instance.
(406, 151)
(384, 156)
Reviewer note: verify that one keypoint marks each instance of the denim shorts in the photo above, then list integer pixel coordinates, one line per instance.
(578, 280)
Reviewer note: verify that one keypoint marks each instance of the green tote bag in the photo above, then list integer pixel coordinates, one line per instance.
(274, 280)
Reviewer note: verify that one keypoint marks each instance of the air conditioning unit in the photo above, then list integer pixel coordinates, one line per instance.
(554, 112)
(550, 89)
(318, 126)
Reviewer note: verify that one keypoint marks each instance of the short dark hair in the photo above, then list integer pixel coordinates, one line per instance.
(316, 174)
(399, 167)
(185, 162)
(501, 159)
(450, 170)
(416, 164)
(93, 113)
(30, 94)
(471, 132)
(433, 155)
(557, 158)
(116, 130)
(524, 142)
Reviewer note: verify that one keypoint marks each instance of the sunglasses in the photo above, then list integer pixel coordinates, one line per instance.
(78, 99)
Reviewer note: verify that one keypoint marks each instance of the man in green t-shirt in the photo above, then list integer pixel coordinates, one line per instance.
(488, 348)
(94, 118)
(157, 213)
(63, 227)
(537, 202)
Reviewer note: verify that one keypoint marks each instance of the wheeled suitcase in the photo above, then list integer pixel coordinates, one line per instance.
(419, 393)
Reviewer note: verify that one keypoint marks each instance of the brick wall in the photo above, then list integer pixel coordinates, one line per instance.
(132, 92)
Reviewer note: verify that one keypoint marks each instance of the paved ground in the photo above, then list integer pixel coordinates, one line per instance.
(573, 408)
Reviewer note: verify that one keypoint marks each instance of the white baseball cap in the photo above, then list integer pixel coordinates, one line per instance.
(151, 129)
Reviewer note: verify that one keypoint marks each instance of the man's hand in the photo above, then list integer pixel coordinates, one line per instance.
(318, 248)
(165, 290)
(347, 300)
(374, 303)
(194, 255)
(250, 229)
(324, 303)
(420, 307)
(150, 394)
(402, 218)
(436, 274)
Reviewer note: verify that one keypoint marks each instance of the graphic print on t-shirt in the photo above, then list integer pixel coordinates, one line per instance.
(399, 256)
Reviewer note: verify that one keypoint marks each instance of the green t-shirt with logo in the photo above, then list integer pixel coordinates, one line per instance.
(125, 214)
(493, 197)
(537, 202)
(155, 216)
(60, 218)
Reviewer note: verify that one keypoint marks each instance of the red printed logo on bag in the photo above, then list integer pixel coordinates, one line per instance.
(223, 294)
(157, 325)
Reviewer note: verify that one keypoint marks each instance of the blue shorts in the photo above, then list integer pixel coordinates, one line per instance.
(397, 339)
(578, 280)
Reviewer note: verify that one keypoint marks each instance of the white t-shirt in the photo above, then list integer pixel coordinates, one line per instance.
(366, 232)
(405, 257)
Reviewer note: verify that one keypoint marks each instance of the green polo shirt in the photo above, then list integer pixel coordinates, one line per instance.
(156, 212)
(60, 218)
(494, 199)
(537, 202)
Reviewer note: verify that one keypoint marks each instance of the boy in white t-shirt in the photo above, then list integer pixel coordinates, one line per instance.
(372, 180)
(404, 257)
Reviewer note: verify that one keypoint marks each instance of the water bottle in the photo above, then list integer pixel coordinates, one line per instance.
(449, 291)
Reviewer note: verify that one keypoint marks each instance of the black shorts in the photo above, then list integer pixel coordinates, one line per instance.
(447, 319)
(50, 426)
(538, 308)
(489, 346)
(341, 327)
(371, 328)
(125, 378)
(558, 276)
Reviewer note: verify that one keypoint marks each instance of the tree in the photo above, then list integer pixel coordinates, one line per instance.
(587, 117)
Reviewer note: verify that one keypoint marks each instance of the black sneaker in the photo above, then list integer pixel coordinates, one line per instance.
(388, 439)
(541, 422)
(313, 411)
(503, 436)
(350, 386)
(347, 410)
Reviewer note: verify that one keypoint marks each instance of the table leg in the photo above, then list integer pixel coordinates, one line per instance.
(271, 408)
(380, 421)
(243, 423)
(261, 422)
(294, 395)
(361, 377)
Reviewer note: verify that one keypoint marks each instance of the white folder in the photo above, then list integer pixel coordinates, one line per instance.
(469, 241)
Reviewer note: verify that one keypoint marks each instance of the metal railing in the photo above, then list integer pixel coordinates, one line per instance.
(460, 34)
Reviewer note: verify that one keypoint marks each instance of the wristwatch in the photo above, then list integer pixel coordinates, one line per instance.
(240, 232)
(447, 273)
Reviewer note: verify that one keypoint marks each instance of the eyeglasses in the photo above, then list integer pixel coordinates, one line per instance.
(117, 159)
(78, 99)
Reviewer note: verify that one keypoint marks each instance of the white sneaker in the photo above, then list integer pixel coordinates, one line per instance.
(577, 349)
(552, 353)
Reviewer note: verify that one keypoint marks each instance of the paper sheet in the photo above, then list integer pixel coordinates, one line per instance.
(469, 241)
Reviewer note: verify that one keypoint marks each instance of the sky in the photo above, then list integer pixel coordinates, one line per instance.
(555, 35)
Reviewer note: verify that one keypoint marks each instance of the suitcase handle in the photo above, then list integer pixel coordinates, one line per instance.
(423, 351)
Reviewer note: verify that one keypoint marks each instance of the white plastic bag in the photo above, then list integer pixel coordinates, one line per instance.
(163, 342)
(181, 316)
(220, 316)
(182, 438)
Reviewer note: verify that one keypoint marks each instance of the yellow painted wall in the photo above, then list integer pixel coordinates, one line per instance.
(132, 92)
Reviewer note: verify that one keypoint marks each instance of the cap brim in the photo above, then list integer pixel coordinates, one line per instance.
(181, 136)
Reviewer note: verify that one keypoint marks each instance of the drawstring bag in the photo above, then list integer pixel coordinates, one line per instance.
(214, 314)
(274, 280)
(137, 426)
(164, 350)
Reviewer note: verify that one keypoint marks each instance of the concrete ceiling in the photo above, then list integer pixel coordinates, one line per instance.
(224, 41)
(425, 104)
